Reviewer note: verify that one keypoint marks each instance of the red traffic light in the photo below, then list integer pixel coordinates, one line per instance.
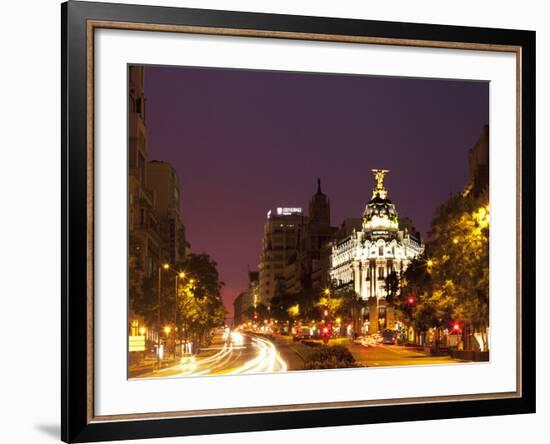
(410, 300)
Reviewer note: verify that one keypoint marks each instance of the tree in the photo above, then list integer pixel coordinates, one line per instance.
(331, 305)
(392, 285)
(141, 301)
(292, 307)
(459, 240)
(200, 307)
(450, 282)
(405, 292)
(352, 306)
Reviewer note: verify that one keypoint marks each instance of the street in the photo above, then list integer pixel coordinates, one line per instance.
(240, 353)
(237, 354)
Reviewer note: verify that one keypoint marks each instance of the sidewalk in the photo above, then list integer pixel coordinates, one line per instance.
(148, 365)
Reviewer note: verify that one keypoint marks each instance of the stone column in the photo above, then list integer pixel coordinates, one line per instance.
(356, 278)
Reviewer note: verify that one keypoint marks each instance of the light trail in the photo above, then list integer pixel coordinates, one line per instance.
(268, 359)
(231, 358)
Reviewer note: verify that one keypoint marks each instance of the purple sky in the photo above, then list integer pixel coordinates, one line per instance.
(246, 141)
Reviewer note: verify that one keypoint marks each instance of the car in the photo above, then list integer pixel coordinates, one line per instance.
(388, 337)
(301, 336)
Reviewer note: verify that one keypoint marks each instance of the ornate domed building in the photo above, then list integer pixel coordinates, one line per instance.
(364, 260)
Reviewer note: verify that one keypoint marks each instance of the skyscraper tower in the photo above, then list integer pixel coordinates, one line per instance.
(319, 207)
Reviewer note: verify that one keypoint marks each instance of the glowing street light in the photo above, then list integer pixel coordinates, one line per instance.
(165, 266)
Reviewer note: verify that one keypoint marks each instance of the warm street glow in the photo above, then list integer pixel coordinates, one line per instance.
(294, 310)
(167, 329)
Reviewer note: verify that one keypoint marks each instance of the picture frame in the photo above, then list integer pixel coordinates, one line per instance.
(80, 22)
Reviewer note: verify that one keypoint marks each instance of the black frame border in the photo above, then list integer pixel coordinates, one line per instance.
(75, 424)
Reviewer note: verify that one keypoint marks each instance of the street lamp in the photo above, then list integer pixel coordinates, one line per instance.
(179, 275)
(164, 266)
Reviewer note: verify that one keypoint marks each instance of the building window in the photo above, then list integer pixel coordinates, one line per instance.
(380, 272)
(380, 251)
(368, 274)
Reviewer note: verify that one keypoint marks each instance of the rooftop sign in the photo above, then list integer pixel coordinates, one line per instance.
(285, 211)
(288, 211)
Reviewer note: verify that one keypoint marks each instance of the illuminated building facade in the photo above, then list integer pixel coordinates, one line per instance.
(294, 255)
(363, 260)
(280, 244)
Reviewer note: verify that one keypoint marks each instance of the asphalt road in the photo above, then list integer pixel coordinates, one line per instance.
(238, 354)
(391, 355)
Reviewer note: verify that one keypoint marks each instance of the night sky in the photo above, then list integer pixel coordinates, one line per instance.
(246, 141)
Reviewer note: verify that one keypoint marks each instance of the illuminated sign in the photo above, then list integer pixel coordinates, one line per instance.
(136, 343)
(288, 211)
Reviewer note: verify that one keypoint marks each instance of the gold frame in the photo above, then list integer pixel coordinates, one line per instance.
(92, 25)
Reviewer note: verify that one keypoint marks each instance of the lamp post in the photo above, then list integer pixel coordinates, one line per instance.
(162, 267)
(177, 336)
(327, 327)
(179, 275)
